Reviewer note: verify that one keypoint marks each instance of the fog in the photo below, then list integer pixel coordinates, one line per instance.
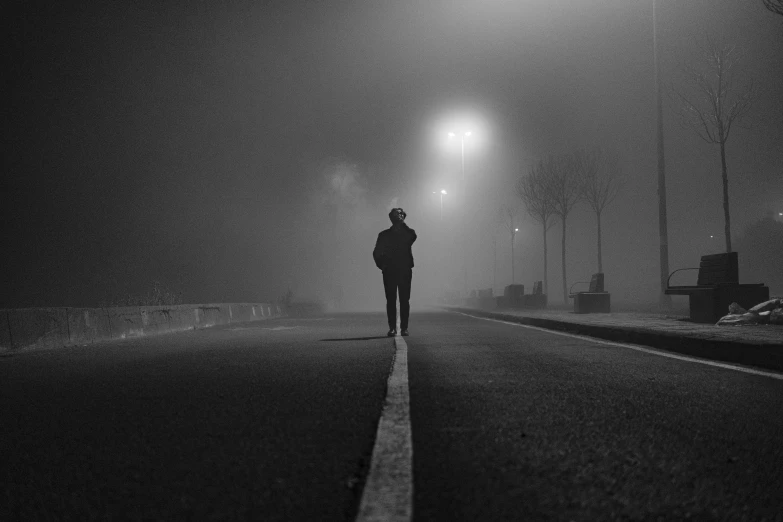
(233, 151)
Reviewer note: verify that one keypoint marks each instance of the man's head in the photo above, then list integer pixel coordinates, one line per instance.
(397, 215)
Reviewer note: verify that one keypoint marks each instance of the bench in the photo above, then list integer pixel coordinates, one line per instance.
(514, 296)
(717, 286)
(538, 298)
(485, 298)
(594, 300)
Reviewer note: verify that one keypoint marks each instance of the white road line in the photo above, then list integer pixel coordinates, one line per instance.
(726, 366)
(388, 492)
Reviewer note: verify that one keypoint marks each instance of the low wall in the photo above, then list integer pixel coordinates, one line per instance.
(41, 328)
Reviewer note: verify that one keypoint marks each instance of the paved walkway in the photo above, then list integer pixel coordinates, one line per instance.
(757, 345)
(671, 324)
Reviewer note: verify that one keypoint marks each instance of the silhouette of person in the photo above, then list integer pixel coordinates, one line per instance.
(392, 254)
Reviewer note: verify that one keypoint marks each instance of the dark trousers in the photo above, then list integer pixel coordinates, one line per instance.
(395, 280)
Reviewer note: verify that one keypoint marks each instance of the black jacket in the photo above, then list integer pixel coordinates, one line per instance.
(393, 248)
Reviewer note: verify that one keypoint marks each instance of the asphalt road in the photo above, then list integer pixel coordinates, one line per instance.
(276, 420)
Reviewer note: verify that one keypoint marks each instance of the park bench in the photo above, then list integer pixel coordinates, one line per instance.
(717, 286)
(538, 298)
(594, 300)
(485, 298)
(514, 296)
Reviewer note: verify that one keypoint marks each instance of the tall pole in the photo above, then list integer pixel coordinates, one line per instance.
(664, 300)
(494, 262)
(513, 277)
(463, 223)
(464, 202)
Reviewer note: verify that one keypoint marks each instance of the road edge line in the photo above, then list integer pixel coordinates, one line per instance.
(754, 354)
(645, 349)
(388, 491)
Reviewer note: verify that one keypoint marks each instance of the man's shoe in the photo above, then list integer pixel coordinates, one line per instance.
(391, 333)
(405, 333)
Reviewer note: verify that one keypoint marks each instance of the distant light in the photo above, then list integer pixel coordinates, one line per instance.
(443, 192)
(712, 237)
(516, 230)
(467, 122)
(780, 213)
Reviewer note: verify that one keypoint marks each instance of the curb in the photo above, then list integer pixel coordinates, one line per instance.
(767, 356)
(26, 329)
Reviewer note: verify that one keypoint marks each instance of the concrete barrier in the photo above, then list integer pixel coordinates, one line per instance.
(43, 328)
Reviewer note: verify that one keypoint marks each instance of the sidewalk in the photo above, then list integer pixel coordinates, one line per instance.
(757, 345)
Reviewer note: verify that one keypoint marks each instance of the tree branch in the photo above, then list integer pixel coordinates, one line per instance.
(776, 6)
(717, 103)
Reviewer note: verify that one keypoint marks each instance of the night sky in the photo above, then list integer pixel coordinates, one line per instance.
(233, 150)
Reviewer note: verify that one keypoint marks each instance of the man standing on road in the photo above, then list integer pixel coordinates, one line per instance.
(392, 254)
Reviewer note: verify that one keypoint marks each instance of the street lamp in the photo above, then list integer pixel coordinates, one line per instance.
(442, 193)
(663, 232)
(462, 152)
(462, 137)
(513, 235)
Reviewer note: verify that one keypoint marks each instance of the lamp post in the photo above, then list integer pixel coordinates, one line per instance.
(513, 235)
(664, 300)
(462, 137)
(442, 193)
(494, 261)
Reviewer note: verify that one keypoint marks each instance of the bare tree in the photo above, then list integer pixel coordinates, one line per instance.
(531, 189)
(776, 6)
(563, 189)
(600, 181)
(714, 104)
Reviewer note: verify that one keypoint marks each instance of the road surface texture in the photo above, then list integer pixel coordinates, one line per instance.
(277, 421)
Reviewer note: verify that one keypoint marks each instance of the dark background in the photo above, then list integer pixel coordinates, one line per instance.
(234, 150)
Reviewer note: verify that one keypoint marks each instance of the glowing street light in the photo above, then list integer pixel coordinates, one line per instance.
(442, 193)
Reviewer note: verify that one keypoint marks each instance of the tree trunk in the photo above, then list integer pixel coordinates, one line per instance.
(565, 283)
(494, 264)
(725, 174)
(512, 259)
(546, 281)
(600, 264)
